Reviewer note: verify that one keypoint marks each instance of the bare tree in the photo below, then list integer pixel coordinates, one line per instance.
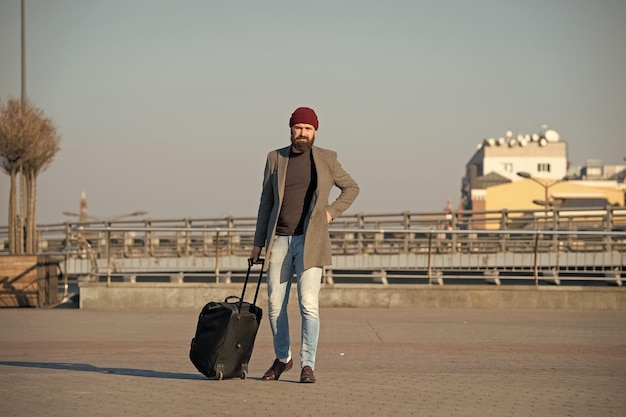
(36, 162)
(12, 151)
(28, 143)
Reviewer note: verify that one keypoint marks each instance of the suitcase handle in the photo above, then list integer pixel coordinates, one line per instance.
(245, 284)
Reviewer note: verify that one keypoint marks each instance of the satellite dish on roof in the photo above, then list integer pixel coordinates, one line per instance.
(543, 142)
(501, 141)
(551, 135)
(489, 142)
(534, 137)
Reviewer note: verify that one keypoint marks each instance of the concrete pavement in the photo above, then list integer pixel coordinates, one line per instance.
(371, 362)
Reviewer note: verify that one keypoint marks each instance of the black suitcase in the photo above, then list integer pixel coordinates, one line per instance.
(225, 335)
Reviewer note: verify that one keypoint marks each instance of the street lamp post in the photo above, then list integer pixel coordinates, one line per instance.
(546, 187)
(23, 54)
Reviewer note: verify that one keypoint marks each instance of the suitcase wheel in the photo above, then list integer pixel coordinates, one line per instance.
(244, 374)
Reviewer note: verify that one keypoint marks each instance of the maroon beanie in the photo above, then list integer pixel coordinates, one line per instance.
(304, 115)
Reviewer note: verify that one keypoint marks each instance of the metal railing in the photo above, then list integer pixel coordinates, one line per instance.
(492, 254)
(55, 237)
(385, 247)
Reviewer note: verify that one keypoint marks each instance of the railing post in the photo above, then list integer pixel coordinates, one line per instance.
(68, 236)
(406, 216)
(360, 224)
(555, 227)
(455, 226)
(217, 256)
(148, 242)
(230, 224)
(328, 276)
(108, 256)
(206, 243)
(504, 217)
(608, 226)
(65, 279)
(187, 237)
(536, 267)
(430, 245)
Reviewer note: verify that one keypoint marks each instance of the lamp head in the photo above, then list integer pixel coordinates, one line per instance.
(542, 203)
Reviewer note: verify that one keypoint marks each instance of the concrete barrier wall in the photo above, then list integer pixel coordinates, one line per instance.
(194, 296)
(29, 280)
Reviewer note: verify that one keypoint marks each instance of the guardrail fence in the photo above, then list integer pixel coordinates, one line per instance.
(529, 247)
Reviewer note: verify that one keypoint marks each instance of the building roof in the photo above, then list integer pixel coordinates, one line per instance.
(489, 180)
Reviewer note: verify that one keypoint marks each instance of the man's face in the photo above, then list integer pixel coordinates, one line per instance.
(302, 137)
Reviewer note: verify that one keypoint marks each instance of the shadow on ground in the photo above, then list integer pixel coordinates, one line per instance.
(145, 373)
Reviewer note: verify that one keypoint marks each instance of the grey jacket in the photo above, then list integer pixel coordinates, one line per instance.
(317, 248)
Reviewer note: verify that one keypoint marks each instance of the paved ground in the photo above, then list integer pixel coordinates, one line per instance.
(371, 362)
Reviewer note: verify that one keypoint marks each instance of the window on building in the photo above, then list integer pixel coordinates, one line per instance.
(507, 167)
(543, 167)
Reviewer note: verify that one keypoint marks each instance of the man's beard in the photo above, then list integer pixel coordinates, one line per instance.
(300, 144)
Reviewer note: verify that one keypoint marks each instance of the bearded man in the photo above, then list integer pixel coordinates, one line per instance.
(292, 225)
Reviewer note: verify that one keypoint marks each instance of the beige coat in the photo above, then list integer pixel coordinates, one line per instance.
(317, 248)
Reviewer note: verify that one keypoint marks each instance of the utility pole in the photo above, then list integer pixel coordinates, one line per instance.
(23, 99)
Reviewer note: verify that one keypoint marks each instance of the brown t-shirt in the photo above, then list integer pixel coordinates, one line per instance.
(300, 184)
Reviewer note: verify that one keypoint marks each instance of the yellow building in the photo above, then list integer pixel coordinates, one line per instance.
(575, 203)
(520, 195)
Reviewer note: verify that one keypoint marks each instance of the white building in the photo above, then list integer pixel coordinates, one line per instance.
(497, 161)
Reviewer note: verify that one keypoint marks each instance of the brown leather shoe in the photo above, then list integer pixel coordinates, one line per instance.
(306, 376)
(277, 369)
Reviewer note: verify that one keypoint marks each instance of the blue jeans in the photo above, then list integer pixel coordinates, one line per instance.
(285, 260)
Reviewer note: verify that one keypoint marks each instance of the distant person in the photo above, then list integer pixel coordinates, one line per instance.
(292, 225)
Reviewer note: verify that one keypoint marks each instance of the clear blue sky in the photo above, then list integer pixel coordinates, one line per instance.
(171, 106)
